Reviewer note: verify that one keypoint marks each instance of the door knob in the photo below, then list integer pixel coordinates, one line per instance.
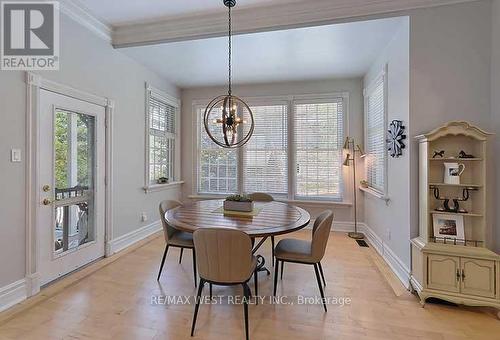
(46, 188)
(47, 201)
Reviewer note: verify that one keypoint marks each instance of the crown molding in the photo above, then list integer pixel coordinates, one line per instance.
(259, 19)
(77, 11)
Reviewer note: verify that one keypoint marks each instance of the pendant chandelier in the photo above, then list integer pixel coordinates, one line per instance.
(228, 120)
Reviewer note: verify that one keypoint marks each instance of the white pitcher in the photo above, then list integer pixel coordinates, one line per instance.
(452, 172)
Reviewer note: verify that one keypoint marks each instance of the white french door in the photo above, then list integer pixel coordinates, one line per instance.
(71, 172)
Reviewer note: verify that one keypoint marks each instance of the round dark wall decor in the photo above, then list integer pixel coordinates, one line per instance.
(395, 142)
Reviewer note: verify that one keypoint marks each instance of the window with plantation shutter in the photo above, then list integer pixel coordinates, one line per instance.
(217, 167)
(318, 139)
(161, 137)
(265, 159)
(375, 139)
(295, 151)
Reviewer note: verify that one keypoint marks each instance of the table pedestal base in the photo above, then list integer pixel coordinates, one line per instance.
(261, 265)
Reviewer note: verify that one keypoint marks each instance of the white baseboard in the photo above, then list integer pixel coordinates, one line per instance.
(345, 226)
(12, 294)
(415, 284)
(392, 260)
(129, 239)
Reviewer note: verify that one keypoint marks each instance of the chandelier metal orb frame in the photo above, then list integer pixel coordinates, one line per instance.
(231, 107)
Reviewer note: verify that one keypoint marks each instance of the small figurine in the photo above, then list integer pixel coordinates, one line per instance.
(462, 154)
(452, 204)
(439, 154)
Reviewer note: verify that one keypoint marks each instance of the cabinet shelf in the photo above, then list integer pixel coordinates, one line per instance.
(455, 185)
(435, 212)
(450, 159)
(456, 241)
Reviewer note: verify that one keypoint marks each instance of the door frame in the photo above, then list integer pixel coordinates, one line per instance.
(34, 83)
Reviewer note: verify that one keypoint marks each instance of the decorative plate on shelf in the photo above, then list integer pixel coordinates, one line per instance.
(396, 137)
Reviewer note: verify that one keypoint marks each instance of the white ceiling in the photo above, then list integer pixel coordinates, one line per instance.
(332, 51)
(120, 12)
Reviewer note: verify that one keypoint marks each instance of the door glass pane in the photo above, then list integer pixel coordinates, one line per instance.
(74, 170)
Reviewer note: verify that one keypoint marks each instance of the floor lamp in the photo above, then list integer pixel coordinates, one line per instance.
(352, 148)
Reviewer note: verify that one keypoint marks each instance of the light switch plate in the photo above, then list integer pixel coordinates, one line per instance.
(15, 155)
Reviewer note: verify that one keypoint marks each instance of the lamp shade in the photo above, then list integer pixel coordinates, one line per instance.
(360, 150)
(346, 143)
(347, 159)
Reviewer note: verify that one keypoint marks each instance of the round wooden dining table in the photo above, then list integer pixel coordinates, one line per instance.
(267, 219)
(271, 218)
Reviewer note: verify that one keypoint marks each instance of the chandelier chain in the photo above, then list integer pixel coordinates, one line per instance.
(229, 59)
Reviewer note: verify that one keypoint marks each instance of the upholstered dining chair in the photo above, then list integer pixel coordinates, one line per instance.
(224, 258)
(174, 237)
(263, 197)
(306, 252)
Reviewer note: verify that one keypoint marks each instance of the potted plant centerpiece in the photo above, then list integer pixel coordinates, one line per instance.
(238, 203)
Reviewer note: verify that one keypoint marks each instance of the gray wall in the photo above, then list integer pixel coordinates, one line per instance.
(90, 64)
(353, 86)
(450, 51)
(391, 220)
(495, 107)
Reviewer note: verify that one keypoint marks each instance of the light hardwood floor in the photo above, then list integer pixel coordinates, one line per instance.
(114, 302)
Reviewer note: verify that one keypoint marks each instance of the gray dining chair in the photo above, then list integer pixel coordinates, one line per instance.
(224, 258)
(306, 252)
(263, 197)
(175, 238)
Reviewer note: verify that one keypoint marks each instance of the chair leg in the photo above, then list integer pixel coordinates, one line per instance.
(246, 292)
(256, 283)
(320, 286)
(194, 267)
(282, 267)
(198, 297)
(210, 291)
(272, 250)
(276, 276)
(180, 257)
(321, 272)
(162, 262)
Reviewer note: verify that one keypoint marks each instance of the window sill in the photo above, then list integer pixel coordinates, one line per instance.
(316, 202)
(301, 202)
(375, 193)
(160, 187)
(207, 197)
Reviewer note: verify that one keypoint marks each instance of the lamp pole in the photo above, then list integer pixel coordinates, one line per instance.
(352, 148)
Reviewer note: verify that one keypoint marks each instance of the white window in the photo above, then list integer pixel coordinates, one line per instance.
(375, 134)
(294, 153)
(265, 156)
(319, 133)
(217, 167)
(162, 138)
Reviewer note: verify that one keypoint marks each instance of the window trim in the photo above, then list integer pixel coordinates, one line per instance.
(154, 92)
(290, 101)
(382, 75)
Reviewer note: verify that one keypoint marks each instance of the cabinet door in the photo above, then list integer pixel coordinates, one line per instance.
(443, 273)
(478, 277)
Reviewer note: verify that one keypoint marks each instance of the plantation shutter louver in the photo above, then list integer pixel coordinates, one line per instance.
(318, 139)
(161, 139)
(265, 161)
(217, 167)
(375, 136)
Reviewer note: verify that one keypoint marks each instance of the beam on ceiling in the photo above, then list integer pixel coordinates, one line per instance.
(260, 19)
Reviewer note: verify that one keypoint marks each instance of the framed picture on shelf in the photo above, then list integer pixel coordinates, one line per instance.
(449, 227)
